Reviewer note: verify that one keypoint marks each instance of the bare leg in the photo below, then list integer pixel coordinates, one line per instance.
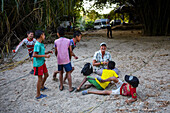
(61, 79)
(88, 86)
(55, 73)
(84, 80)
(100, 92)
(66, 76)
(69, 81)
(44, 79)
(39, 85)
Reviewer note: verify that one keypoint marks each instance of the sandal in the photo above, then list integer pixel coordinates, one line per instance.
(84, 92)
(72, 89)
(61, 89)
(42, 89)
(41, 96)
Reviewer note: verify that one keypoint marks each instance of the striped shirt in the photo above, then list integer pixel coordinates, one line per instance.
(29, 43)
(98, 57)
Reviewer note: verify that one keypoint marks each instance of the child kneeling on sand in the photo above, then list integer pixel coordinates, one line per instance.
(126, 89)
(39, 63)
(107, 73)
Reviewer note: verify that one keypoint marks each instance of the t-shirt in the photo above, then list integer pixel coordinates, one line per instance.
(62, 44)
(105, 75)
(127, 90)
(29, 43)
(40, 49)
(98, 57)
(73, 45)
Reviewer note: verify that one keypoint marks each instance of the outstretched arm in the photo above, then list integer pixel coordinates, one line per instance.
(19, 45)
(109, 79)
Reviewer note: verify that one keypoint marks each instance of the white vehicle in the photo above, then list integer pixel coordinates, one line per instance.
(101, 23)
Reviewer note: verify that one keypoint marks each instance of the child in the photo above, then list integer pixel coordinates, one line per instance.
(62, 53)
(107, 73)
(39, 62)
(29, 41)
(126, 89)
(77, 37)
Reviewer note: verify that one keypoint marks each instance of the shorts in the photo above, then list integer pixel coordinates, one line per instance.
(31, 54)
(40, 70)
(72, 64)
(67, 67)
(92, 80)
(116, 92)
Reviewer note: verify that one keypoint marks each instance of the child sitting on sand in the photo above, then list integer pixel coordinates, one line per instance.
(39, 63)
(126, 89)
(107, 73)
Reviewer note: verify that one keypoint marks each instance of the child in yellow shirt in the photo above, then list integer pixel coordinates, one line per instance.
(107, 73)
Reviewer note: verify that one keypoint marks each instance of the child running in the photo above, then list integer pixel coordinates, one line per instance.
(107, 73)
(62, 46)
(39, 63)
(77, 37)
(126, 89)
(29, 42)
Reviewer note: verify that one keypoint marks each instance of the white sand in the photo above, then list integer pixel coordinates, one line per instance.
(145, 57)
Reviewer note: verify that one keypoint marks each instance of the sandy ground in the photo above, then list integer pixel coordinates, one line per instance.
(148, 58)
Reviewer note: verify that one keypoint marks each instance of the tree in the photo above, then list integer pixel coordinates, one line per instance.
(154, 15)
(93, 15)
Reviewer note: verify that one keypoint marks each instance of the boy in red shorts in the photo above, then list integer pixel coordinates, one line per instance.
(126, 89)
(39, 62)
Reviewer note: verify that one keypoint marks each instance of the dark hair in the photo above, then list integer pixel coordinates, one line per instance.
(111, 65)
(61, 31)
(76, 33)
(28, 32)
(38, 33)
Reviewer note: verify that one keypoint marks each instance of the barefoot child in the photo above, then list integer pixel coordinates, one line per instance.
(29, 42)
(62, 46)
(39, 63)
(77, 37)
(126, 89)
(107, 73)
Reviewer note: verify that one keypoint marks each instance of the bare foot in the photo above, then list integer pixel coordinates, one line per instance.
(64, 82)
(87, 86)
(55, 79)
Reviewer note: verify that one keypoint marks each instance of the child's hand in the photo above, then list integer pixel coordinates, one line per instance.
(105, 63)
(130, 101)
(47, 56)
(13, 51)
(99, 79)
(50, 52)
(76, 57)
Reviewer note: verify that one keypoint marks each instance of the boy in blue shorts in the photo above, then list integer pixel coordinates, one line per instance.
(39, 63)
(77, 37)
(62, 46)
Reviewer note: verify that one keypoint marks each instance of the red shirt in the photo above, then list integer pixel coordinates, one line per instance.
(127, 90)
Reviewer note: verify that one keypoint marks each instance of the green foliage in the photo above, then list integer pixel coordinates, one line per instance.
(93, 15)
